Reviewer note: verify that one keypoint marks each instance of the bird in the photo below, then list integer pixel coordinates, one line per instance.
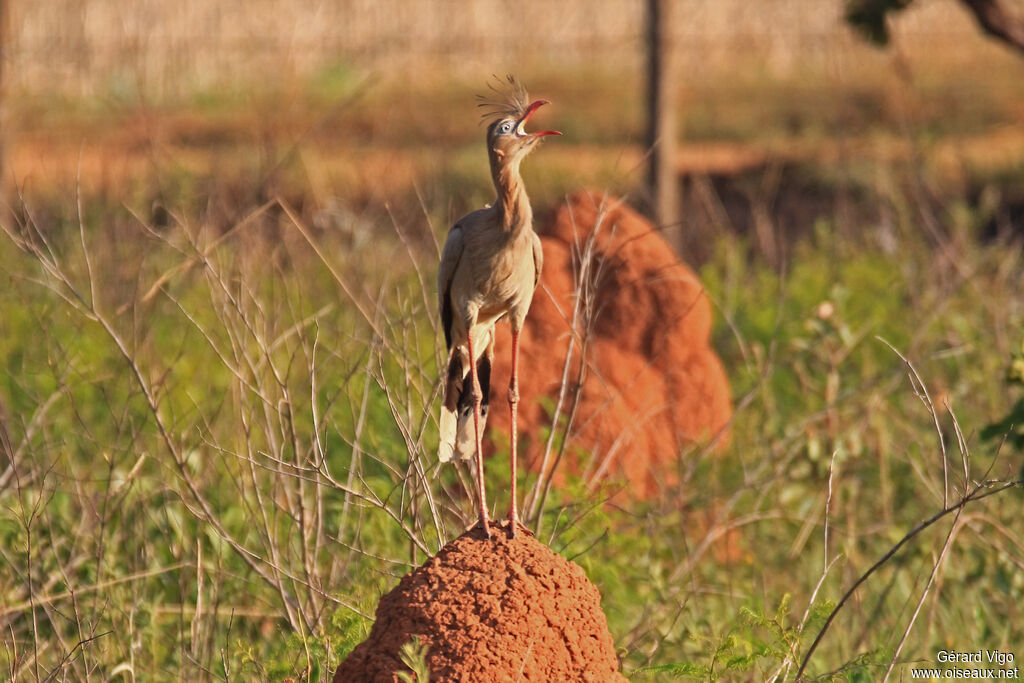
(490, 265)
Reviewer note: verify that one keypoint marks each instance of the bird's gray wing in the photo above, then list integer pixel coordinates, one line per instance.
(538, 260)
(450, 257)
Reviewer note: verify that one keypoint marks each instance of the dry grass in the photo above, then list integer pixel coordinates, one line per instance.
(173, 48)
(219, 356)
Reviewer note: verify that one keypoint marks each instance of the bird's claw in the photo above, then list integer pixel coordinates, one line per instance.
(514, 527)
(485, 526)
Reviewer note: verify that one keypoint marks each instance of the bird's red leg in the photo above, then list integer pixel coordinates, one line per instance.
(477, 398)
(513, 406)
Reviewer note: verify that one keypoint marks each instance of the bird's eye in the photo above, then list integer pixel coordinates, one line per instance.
(506, 127)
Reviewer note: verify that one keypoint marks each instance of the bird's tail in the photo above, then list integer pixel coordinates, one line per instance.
(458, 439)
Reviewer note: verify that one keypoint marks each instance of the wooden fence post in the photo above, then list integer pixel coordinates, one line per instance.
(663, 178)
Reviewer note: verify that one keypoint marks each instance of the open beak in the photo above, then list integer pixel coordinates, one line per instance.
(534, 106)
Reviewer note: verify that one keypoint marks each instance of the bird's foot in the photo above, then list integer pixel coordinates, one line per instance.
(483, 524)
(515, 527)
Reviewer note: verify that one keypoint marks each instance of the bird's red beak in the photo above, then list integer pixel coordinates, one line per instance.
(534, 106)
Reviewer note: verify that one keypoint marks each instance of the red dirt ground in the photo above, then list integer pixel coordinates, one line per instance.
(653, 384)
(491, 610)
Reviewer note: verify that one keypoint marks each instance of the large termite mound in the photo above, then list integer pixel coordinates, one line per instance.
(491, 610)
(651, 385)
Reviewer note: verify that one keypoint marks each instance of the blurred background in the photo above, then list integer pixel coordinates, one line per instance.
(368, 99)
(218, 344)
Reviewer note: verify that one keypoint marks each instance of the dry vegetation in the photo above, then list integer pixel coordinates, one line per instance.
(218, 363)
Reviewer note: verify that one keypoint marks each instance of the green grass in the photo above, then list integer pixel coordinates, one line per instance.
(228, 493)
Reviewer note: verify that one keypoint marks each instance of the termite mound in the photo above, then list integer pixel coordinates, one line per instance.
(504, 609)
(612, 287)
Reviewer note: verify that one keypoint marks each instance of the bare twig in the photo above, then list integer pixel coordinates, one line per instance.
(979, 492)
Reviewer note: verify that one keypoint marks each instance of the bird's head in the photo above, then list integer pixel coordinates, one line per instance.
(507, 138)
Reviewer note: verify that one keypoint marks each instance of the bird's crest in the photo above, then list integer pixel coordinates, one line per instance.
(508, 97)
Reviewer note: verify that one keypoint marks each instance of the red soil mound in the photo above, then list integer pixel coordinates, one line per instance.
(652, 384)
(491, 610)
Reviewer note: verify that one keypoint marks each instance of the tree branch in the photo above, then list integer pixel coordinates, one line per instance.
(996, 21)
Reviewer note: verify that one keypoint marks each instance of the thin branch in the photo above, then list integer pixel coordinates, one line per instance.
(977, 494)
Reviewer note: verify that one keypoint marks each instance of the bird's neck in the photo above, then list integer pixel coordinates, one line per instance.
(513, 205)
